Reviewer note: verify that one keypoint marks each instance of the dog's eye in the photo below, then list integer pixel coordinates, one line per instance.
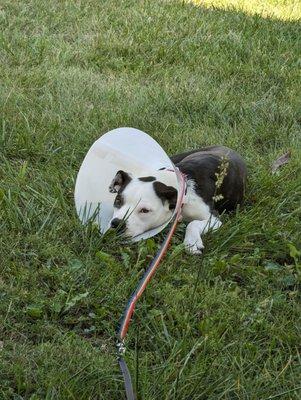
(144, 211)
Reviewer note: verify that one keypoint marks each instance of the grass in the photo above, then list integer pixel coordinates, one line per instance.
(223, 326)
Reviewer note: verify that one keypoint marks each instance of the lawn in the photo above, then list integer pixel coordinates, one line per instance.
(225, 325)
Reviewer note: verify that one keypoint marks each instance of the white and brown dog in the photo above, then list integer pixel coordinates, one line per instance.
(216, 178)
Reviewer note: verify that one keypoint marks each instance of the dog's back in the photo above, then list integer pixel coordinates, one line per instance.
(210, 165)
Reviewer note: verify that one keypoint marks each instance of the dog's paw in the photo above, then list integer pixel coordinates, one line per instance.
(194, 245)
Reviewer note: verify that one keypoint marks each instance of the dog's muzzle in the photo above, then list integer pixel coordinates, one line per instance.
(118, 224)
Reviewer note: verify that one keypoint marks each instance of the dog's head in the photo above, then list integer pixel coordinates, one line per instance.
(141, 203)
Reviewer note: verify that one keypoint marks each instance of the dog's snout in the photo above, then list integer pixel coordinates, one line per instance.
(116, 222)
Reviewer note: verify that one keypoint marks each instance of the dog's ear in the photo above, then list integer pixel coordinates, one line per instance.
(166, 193)
(120, 180)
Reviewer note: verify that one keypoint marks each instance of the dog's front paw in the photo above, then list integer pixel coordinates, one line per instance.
(194, 245)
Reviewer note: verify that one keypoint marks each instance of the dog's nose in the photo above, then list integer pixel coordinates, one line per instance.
(116, 222)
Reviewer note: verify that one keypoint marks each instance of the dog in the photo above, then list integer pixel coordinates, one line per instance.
(215, 178)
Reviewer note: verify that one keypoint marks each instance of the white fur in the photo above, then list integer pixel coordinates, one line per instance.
(201, 220)
(194, 206)
(193, 239)
(138, 195)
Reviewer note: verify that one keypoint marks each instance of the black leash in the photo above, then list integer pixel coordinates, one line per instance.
(128, 385)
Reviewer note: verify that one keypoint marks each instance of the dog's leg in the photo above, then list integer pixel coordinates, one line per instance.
(193, 241)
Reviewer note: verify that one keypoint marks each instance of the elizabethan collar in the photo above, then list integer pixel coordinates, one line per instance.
(126, 149)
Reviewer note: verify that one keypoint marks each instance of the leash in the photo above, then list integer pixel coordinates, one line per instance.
(129, 310)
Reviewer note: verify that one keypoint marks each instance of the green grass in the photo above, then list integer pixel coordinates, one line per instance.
(223, 326)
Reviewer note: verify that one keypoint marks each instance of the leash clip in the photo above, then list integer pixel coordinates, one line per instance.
(120, 348)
